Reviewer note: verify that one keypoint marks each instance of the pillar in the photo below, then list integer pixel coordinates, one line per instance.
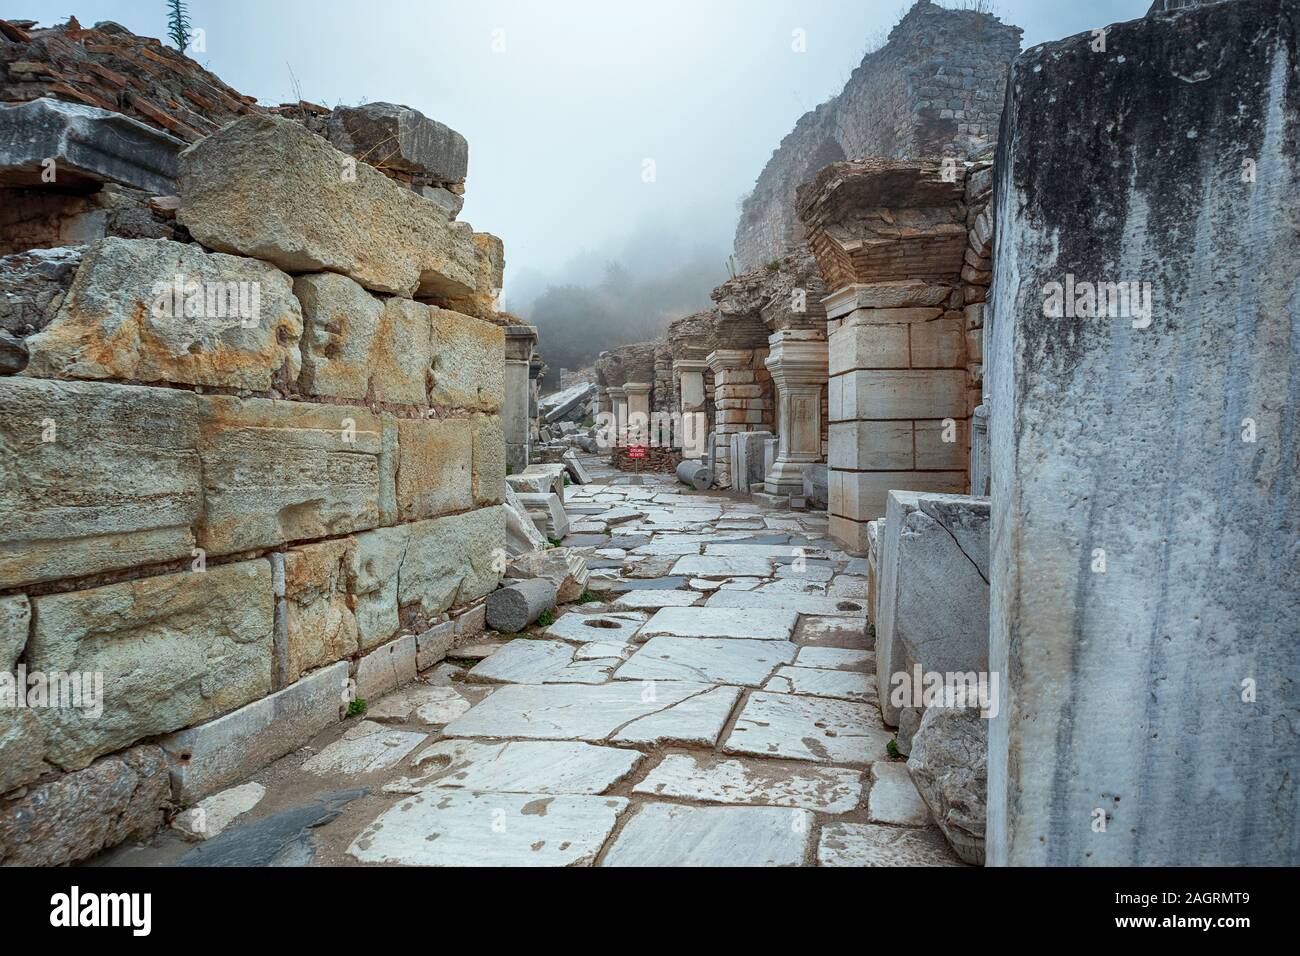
(618, 408)
(515, 420)
(638, 412)
(733, 374)
(1145, 601)
(798, 363)
(694, 428)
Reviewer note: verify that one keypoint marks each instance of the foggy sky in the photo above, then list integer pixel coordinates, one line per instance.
(561, 121)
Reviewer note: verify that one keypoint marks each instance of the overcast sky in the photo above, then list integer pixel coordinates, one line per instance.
(563, 101)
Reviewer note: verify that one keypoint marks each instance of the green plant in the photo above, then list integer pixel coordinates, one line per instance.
(587, 597)
(178, 24)
(555, 542)
(545, 619)
(891, 748)
(774, 265)
(357, 707)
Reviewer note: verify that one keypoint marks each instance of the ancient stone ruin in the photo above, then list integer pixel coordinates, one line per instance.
(958, 527)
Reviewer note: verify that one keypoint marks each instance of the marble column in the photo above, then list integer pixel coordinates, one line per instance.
(733, 371)
(798, 362)
(618, 407)
(536, 372)
(694, 429)
(520, 340)
(638, 412)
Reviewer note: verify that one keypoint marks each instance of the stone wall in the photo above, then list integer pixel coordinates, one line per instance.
(244, 481)
(936, 88)
(1145, 587)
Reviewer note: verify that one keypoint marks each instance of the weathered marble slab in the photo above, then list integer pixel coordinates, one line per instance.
(447, 828)
(818, 682)
(663, 834)
(721, 623)
(519, 766)
(718, 661)
(711, 779)
(525, 661)
(867, 844)
(801, 603)
(893, 798)
(834, 658)
(696, 720)
(722, 567)
(657, 599)
(366, 748)
(808, 728)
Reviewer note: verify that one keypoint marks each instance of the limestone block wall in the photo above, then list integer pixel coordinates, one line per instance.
(1145, 599)
(243, 487)
(742, 400)
(936, 88)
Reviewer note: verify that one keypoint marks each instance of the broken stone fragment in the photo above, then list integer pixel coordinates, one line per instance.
(210, 816)
(513, 608)
(151, 310)
(270, 189)
(32, 286)
(565, 568)
(82, 146)
(389, 136)
(949, 765)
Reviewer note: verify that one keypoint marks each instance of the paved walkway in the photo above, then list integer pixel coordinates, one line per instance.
(716, 707)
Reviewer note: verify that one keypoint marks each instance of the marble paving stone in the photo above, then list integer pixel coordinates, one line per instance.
(604, 650)
(792, 585)
(670, 583)
(451, 828)
(648, 567)
(657, 599)
(518, 766)
(696, 720)
(825, 631)
(663, 834)
(834, 658)
(366, 748)
(711, 779)
(586, 672)
(605, 628)
(669, 548)
(893, 798)
(721, 622)
(740, 584)
(858, 567)
(807, 728)
(430, 705)
(524, 661)
(703, 584)
(802, 603)
(573, 711)
(847, 585)
(817, 682)
(819, 571)
(750, 550)
(867, 844)
(213, 814)
(722, 567)
(719, 661)
(586, 540)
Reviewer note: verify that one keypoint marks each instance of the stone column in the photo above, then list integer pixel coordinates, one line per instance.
(733, 372)
(515, 420)
(1145, 600)
(638, 412)
(798, 363)
(618, 408)
(694, 427)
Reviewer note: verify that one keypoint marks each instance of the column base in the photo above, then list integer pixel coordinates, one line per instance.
(786, 478)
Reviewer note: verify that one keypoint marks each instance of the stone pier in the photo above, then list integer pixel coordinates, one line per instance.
(638, 412)
(618, 408)
(695, 427)
(515, 419)
(798, 364)
(1145, 598)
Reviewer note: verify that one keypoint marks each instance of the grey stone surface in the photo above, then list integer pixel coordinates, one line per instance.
(32, 286)
(387, 667)
(747, 471)
(109, 478)
(656, 598)
(512, 608)
(449, 828)
(88, 145)
(709, 779)
(15, 622)
(721, 622)
(282, 839)
(727, 661)
(1161, 691)
(218, 754)
(816, 486)
(694, 474)
(565, 568)
(267, 188)
(948, 764)
(722, 567)
(663, 834)
(78, 814)
(807, 728)
(584, 628)
(818, 682)
(210, 816)
(525, 661)
(518, 766)
(893, 798)
(547, 511)
(869, 844)
(433, 645)
(909, 718)
(397, 137)
(834, 658)
(797, 603)
(419, 702)
(698, 719)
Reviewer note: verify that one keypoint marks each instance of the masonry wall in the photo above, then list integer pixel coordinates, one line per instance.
(1145, 571)
(936, 88)
(241, 520)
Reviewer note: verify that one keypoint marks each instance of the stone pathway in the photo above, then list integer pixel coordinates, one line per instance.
(716, 707)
